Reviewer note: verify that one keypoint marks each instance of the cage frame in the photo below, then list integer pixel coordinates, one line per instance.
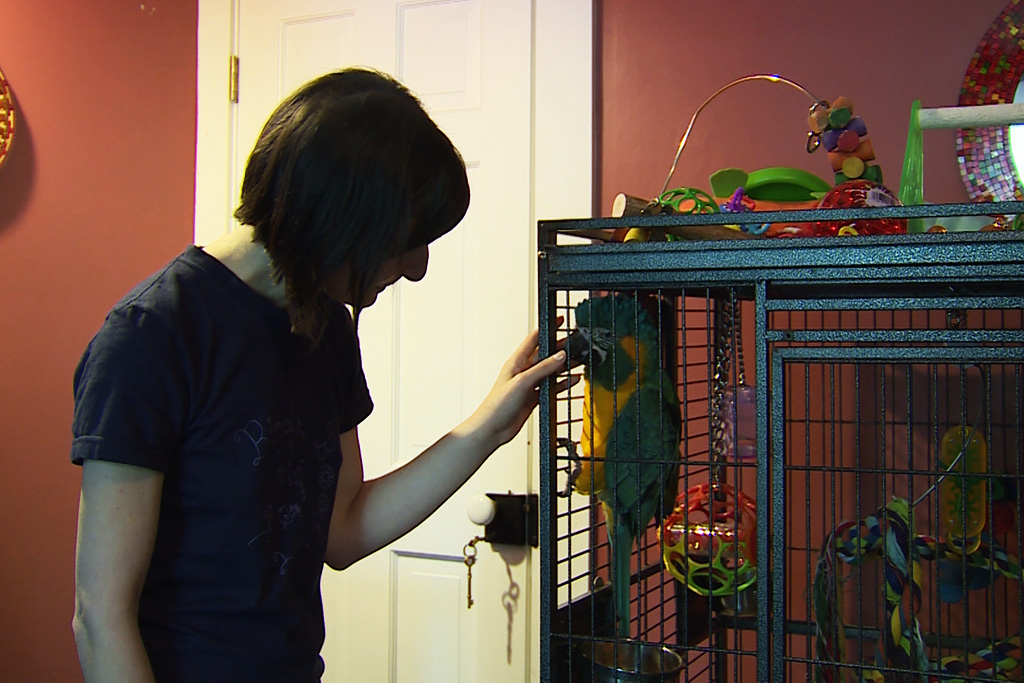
(977, 270)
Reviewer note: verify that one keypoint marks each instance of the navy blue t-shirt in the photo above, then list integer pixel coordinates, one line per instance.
(197, 376)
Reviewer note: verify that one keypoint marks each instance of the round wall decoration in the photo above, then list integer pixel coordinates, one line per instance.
(993, 75)
(6, 118)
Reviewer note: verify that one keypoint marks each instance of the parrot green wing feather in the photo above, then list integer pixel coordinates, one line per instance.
(641, 477)
(641, 462)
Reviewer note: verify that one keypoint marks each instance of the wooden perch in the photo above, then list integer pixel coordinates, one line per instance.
(628, 205)
(973, 116)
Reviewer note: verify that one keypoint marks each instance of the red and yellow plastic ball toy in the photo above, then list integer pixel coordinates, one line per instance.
(709, 540)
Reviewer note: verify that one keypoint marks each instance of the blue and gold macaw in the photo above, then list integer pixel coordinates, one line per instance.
(631, 427)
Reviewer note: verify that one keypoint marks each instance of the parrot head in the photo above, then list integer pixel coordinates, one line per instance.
(605, 338)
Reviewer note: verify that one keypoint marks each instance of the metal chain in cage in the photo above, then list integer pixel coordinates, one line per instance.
(725, 317)
(737, 319)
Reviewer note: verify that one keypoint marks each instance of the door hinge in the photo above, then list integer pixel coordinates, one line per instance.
(233, 79)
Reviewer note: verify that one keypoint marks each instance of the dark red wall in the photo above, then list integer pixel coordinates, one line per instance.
(96, 193)
(661, 58)
(98, 190)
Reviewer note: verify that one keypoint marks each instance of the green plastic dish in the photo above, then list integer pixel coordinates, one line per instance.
(785, 184)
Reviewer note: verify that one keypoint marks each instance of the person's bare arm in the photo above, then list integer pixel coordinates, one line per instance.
(117, 521)
(369, 515)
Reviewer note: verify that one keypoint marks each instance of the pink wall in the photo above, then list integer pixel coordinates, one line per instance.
(662, 58)
(96, 193)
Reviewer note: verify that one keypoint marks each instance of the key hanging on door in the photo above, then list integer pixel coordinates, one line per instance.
(469, 555)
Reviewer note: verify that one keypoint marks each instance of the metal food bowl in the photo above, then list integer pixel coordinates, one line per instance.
(624, 663)
(739, 604)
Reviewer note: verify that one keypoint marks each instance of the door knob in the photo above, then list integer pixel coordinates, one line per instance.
(507, 518)
(481, 509)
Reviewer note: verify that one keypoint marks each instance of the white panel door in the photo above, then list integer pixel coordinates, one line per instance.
(431, 349)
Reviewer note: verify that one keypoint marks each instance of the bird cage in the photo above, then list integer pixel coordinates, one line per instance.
(843, 500)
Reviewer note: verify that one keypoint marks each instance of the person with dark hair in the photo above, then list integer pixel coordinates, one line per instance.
(216, 409)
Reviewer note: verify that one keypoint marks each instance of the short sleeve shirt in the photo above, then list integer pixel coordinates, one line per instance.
(196, 375)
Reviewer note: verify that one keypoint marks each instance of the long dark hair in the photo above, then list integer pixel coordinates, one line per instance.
(351, 170)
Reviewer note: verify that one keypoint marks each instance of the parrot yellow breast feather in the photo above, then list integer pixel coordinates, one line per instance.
(597, 424)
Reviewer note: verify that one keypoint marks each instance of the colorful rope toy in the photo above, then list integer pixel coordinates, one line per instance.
(709, 540)
(888, 534)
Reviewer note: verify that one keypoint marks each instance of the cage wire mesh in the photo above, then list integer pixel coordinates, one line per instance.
(663, 610)
(914, 455)
(846, 498)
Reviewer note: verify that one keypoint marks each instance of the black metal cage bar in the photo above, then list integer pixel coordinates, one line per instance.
(845, 499)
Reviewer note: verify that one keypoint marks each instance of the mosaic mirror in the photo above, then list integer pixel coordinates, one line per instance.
(990, 158)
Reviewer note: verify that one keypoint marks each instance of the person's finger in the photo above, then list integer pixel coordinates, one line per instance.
(520, 358)
(528, 344)
(543, 368)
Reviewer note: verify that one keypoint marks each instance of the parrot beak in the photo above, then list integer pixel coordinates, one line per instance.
(577, 347)
(580, 349)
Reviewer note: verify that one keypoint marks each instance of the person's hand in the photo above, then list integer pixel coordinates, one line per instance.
(514, 395)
